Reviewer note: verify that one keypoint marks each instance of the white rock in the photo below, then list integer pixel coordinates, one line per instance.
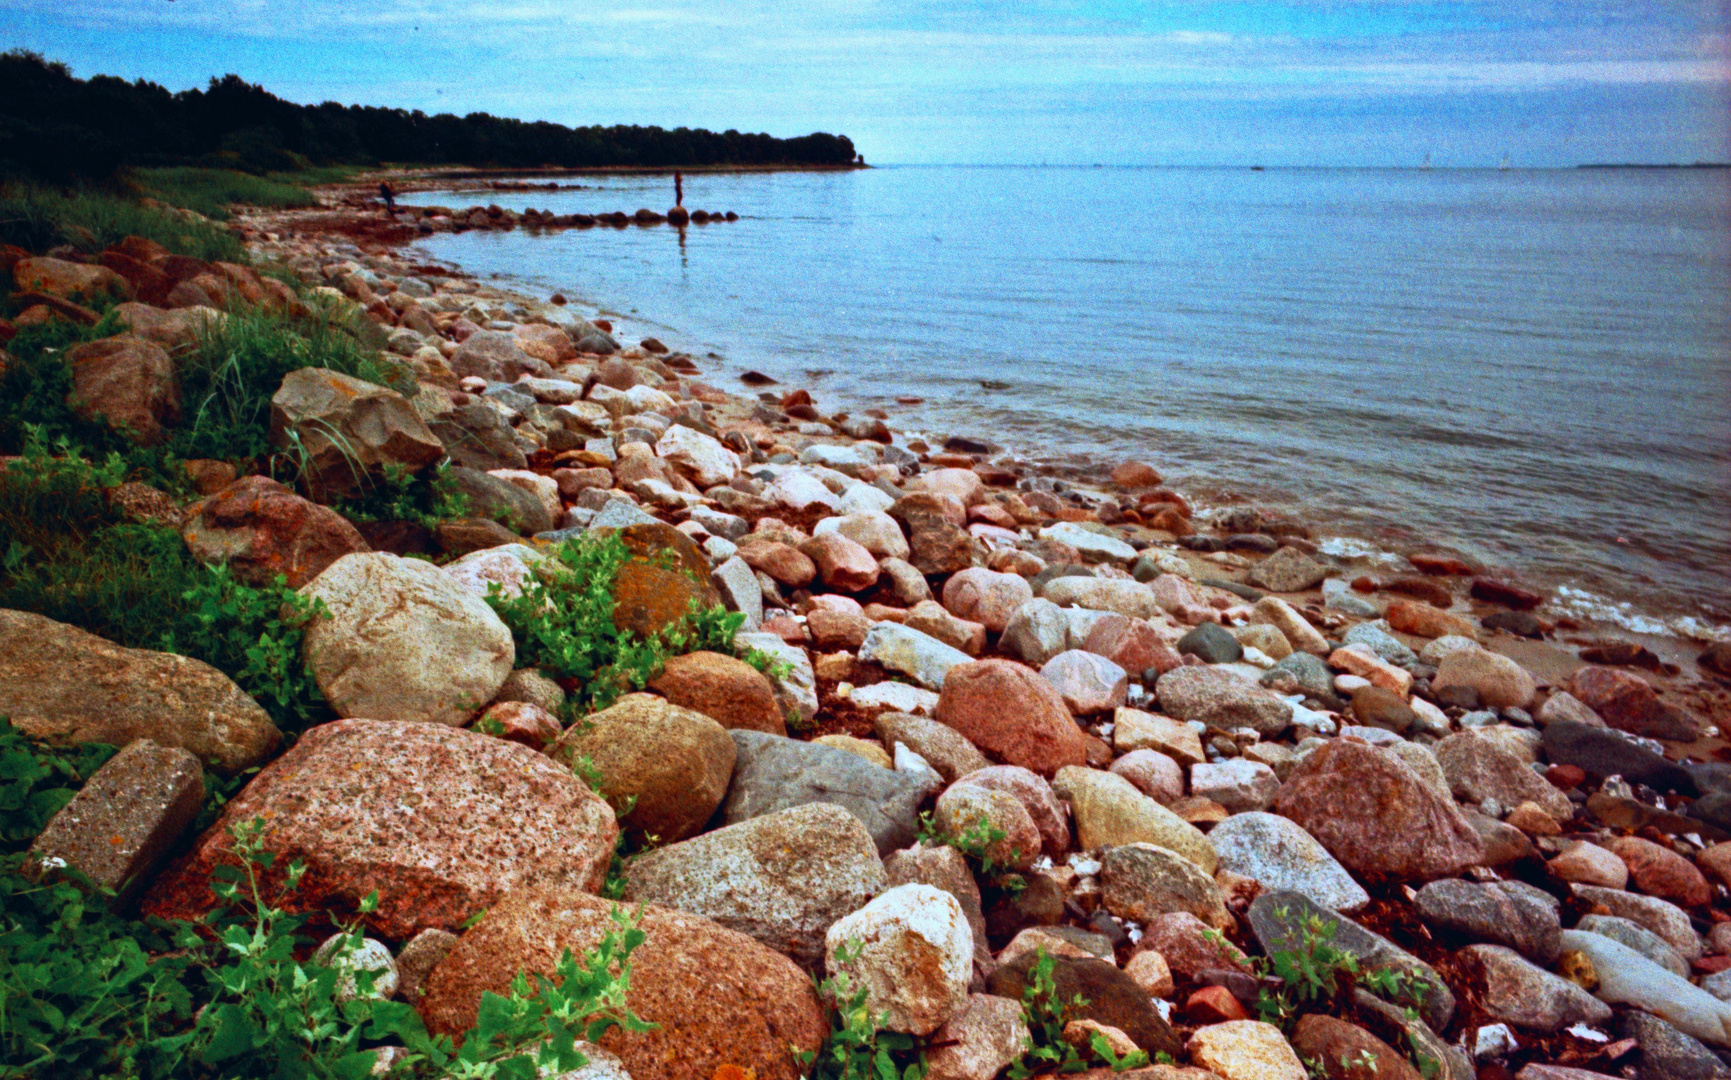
(1281, 855)
(897, 697)
(915, 956)
(1237, 784)
(1628, 978)
(801, 491)
(1089, 542)
(510, 566)
(705, 459)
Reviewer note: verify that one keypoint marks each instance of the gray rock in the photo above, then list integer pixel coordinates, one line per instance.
(1375, 635)
(739, 590)
(125, 818)
(1279, 920)
(772, 773)
(1669, 1054)
(1628, 978)
(1509, 913)
(1660, 916)
(943, 747)
(620, 513)
(1212, 643)
(782, 878)
(1288, 570)
(1602, 752)
(796, 688)
(1517, 992)
(1478, 767)
(1238, 784)
(1142, 881)
(1718, 984)
(1132, 599)
(1301, 673)
(1637, 937)
(1038, 631)
(476, 436)
(1283, 857)
(921, 657)
(1337, 594)
(1222, 700)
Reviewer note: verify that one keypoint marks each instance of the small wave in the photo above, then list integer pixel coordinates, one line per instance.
(1570, 600)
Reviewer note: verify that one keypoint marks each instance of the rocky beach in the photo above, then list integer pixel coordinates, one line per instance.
(987, 738)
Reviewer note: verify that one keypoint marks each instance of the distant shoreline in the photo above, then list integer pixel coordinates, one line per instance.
(1666, 165)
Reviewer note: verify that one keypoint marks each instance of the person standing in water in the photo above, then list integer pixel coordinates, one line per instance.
(389, 196)
(678, 189)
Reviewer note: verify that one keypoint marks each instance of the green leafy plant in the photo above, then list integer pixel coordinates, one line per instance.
(1046, 1013)
(402, 494)
(978, 844)
(858, 1047)
(562, 623)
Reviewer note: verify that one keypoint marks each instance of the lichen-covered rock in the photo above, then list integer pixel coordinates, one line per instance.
(440, 821)
(404, 641)
(731, 692)
(716, 997)
(64, 686)
(259, 529)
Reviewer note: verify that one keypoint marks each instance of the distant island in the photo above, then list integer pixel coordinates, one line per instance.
(58, 128)
(1662, 165)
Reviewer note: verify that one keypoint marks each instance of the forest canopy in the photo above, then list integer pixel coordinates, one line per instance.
(59, 128)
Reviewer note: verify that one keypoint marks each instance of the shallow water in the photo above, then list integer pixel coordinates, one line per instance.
(1531, 366)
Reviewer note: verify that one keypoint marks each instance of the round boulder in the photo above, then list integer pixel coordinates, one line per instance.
(404, 641)
(1012, 714)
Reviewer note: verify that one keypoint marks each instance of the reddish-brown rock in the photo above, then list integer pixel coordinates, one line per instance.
(1213, 1005)
(147, 282)
(1347, 1051)
(783, 562)
(442, 822)
(259, 529)
(127, 381)
(522, 722)
(173, 330)
(1374, 814)
(1132, 644)
(837, 629)
(1136, 474)
(1661, 872)
(1011, 714)
(731, 692)
(938, 543)
(986, 596)
(1423, 620)
(1190, 946)
(843, 564)
(74, 281)
(1509, 595)
(717, 997)
(1440, 565)
(1626, 701)
(1423, 588)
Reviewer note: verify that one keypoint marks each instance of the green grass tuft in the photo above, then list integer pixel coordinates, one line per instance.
(212, 192)
(38, 218)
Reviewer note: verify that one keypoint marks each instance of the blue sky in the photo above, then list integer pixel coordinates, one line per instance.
(1326, 82)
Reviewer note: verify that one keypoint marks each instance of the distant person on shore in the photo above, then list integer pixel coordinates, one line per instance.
(389, 196)
(678, 189)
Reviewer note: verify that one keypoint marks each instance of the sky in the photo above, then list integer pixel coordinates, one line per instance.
(1118, 82)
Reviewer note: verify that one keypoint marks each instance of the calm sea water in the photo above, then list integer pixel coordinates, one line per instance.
(1533, 367)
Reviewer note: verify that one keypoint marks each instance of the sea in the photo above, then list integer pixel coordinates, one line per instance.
(1531, 367)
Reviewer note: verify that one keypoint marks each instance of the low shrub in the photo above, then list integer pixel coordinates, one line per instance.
(562, 623)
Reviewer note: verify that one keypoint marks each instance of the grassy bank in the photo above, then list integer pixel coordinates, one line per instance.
(39, 218)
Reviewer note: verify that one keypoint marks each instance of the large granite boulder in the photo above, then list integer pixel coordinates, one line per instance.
(439, 821)
(1374, 813)
(716, 997)
(345, 431)
(404, 641)
(782, 878)
(127, 382)
(64, 686)
(1011, 714)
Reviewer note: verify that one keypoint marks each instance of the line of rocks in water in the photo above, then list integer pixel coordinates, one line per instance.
(1198, 735)
(438, 219)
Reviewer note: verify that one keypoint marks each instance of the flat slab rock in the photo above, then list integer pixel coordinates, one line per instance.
(773, 773)
(441, 821)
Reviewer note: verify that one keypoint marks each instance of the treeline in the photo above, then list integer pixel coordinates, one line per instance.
(59, 128)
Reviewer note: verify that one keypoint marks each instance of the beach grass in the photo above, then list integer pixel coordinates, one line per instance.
(212, 192)
(39, 218)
